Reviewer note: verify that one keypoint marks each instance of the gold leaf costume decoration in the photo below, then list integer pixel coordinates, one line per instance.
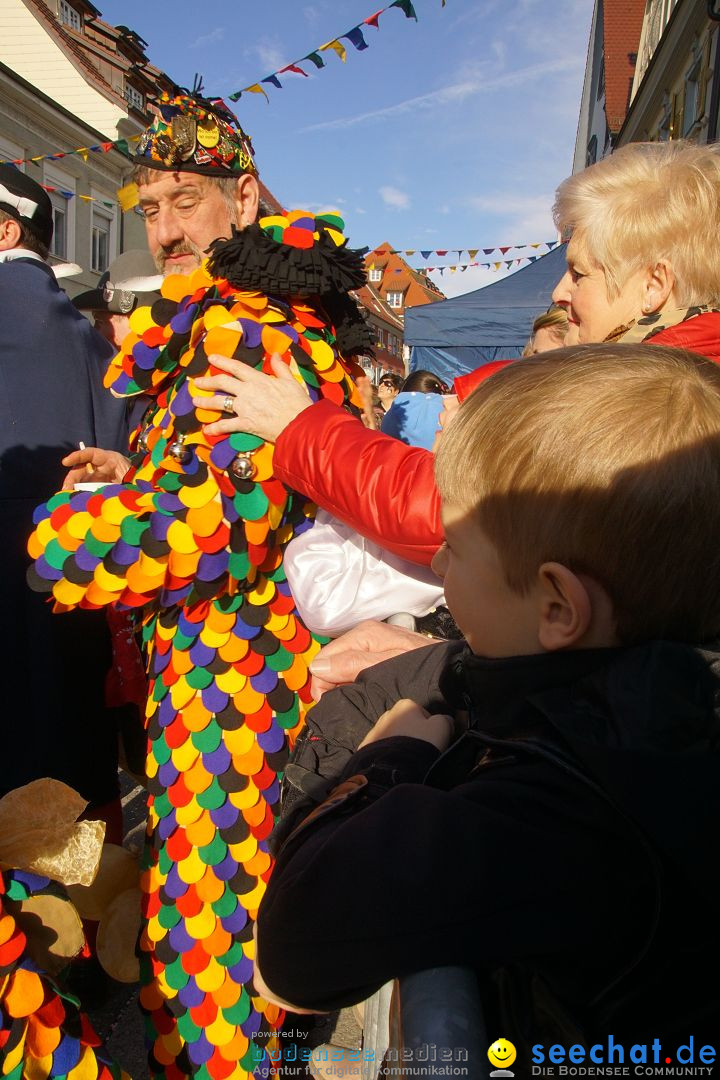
(197, 549)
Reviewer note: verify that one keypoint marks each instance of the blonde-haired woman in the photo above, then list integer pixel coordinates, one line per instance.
(643, 259)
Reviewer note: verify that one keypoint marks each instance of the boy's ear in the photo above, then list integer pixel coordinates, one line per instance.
(565, 607)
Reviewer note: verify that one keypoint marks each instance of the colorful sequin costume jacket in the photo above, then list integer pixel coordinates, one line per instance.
(195, 543)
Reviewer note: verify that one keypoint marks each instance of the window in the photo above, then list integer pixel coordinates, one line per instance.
(60, 226)
(134, 98)
(665, 124)
(100, 244)
(691, 109)
(601, 81)
(375, 275)
(395, 299)
(63, 204)
(70, 16)
(591, 156)
(102, 232)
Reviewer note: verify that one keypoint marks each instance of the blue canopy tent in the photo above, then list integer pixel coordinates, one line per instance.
(455, 336)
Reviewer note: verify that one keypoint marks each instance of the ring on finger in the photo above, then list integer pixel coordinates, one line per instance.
(228, 403)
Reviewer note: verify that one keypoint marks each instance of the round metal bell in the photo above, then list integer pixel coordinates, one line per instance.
(242, 467)
(142, 441)
(179, 452)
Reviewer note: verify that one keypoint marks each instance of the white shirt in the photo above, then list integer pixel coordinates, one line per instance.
(20, 253)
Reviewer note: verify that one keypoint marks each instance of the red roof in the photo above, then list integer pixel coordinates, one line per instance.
(622, 20)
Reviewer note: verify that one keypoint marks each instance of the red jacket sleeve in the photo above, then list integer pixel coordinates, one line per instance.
(383, 488)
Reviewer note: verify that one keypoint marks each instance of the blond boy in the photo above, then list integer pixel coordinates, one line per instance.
(541, 805)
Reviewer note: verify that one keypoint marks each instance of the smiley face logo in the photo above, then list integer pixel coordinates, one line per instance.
(502, 1053)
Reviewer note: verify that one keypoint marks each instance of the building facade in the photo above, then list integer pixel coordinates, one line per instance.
(615, 34)
(387, 329)
(68, 80)
(676, 82)
(397, 283)
(652, 74)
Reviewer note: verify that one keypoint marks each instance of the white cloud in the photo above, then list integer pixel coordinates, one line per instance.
(359, 210)
(270, 56)
(456, 92)
(469, 280)
(392, 196)
(528, 216)
(209, 39)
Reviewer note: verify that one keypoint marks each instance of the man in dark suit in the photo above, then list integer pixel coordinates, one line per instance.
(55, 721)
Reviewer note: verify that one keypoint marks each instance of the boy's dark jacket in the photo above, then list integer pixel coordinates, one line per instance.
(565, 847)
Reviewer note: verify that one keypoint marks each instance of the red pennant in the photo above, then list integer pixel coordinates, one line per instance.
(373, 19)
(295, 68)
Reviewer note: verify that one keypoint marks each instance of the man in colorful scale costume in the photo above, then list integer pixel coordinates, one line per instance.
(193, 540)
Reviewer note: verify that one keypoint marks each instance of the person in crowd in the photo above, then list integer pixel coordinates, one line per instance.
(549, 331)
(52, 364)
(389, 387)
(131, 281)
(414, 418)
(424, 382)
(194, 541)
(548, 819)
(632, 276)
(371, 414)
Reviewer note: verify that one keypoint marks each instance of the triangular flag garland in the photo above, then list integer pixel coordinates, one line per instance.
(355, 36)
(472, 252)
(484, 266)
(72, 195)
(102, 148)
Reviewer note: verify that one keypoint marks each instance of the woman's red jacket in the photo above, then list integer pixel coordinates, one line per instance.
(386, 489)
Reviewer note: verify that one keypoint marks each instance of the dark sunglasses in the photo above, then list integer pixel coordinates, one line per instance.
(390, 384)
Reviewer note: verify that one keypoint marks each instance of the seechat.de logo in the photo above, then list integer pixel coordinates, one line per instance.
(501, 1054)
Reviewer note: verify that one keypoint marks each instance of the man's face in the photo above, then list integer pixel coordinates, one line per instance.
(184, 213)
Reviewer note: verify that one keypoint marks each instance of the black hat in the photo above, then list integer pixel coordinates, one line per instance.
(131, 281)
(24, 200)
(190, 133)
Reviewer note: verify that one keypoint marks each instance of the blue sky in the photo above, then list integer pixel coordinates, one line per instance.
(449, 132)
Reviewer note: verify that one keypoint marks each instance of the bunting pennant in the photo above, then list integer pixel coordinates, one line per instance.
(296, 69)
(337, 47)
(372, 20)
(316, 59)
(355, 36)
(117, 144)
(406, 7)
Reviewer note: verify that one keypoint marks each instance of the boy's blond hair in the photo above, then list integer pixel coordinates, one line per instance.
(649, 201)
(605, 458)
